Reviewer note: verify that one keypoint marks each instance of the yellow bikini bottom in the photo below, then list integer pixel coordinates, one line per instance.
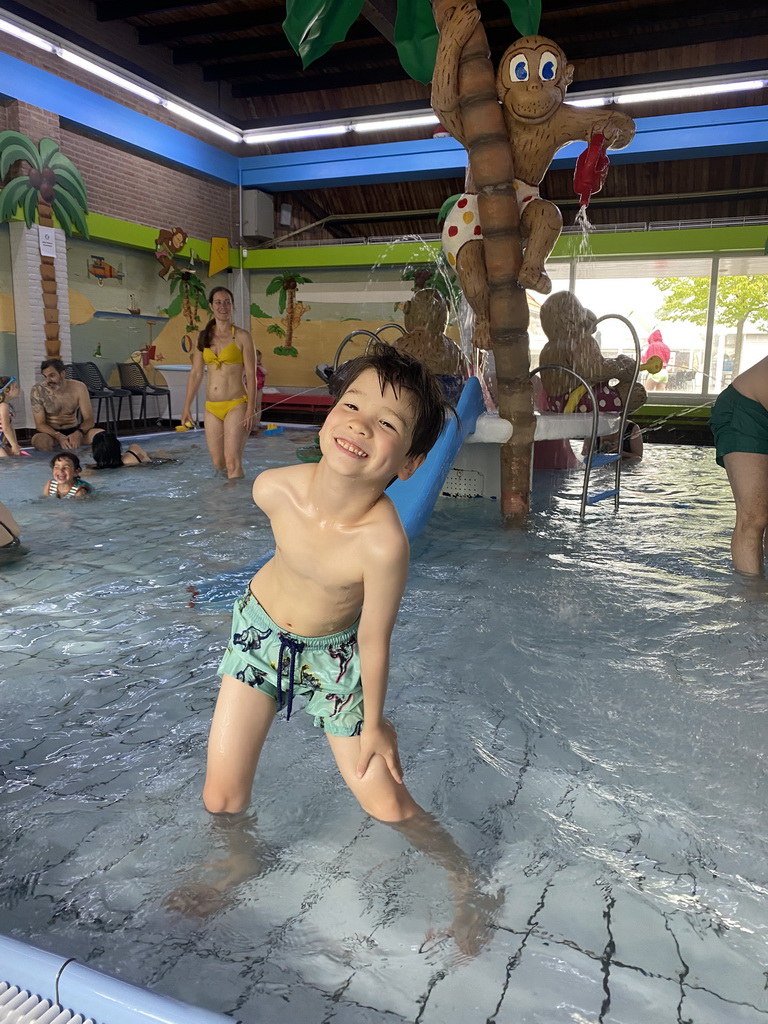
(220, 409)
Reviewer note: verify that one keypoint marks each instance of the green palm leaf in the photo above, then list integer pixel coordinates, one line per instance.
(416, 38)
(13, 195)
(65, 220)
(74, 185)
(47, 149)
(15, 146)
(312, 27)
(526, 15)
(29, 207)
(63, 200)
(275, 284)
(174, 309)
(281, 302)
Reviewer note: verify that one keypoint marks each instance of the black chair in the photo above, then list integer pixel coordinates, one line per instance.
(98, 389)
(136, 382)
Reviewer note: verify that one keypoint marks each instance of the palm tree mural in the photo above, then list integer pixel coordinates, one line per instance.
(285, 286)
(312, 27)
(51, 186)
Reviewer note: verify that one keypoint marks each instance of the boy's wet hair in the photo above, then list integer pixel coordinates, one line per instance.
(70, 456)
(107, 451)
(399, 370)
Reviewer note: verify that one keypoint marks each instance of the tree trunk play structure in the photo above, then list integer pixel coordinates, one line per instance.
(511, 121)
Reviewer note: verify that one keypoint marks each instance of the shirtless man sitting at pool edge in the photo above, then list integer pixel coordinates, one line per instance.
(62, 410)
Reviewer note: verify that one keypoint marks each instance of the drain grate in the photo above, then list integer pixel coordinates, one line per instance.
(463, 483)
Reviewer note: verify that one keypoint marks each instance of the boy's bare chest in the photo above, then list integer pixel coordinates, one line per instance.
(328, 556)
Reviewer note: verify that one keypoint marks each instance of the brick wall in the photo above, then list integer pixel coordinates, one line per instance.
(132, 187)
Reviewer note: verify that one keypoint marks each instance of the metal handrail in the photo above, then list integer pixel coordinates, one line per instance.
(625, 407)
(618, 458)
(591, 393)
(372, 336)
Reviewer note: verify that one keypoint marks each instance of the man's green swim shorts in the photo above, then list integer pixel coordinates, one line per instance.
(325, 669)
(739, 424)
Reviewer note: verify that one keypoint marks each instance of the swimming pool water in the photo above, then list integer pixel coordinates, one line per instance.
(582, 705)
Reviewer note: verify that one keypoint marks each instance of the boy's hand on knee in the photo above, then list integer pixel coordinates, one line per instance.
(381, 740)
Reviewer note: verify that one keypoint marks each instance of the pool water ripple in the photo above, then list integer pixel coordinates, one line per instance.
(583, 705)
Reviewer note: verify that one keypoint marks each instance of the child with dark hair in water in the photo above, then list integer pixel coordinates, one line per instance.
(109, 454)
(316, 620)
(9, 445)
(66, 482)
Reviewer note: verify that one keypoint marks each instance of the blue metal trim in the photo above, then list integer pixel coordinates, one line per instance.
(675, 137)
(112, 120)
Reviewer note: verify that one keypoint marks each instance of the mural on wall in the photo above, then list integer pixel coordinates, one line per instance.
(285, 286)
(110, 322)
(103, 271)
(342, 299)
(190, 295)
(9, 364)
(167, 244)
(51, 186)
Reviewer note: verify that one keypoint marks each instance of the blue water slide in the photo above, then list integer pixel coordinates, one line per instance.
(414, 498)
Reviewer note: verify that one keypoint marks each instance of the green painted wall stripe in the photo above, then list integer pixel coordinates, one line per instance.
(750, 238)
(668, 242)
(139, 236)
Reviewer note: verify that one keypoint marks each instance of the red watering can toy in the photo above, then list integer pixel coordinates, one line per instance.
(591, 169)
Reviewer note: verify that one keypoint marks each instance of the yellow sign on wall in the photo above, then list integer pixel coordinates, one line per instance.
(219, 256)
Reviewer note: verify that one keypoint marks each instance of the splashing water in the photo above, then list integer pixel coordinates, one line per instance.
(583, 222)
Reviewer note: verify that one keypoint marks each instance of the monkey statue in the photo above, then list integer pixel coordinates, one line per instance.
(570, 330)
(531, 82)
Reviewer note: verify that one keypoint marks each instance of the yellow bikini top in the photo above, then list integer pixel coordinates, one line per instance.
(230, 355)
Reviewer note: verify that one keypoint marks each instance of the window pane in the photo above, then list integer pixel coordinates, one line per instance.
(740, 337)
(665, 300)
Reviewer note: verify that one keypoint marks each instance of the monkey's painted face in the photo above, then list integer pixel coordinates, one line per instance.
(532, 79)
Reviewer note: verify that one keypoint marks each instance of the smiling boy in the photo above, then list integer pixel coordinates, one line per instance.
(317, 619)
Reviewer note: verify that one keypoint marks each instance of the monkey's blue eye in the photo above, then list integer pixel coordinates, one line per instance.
(548, 67)
(520, 69)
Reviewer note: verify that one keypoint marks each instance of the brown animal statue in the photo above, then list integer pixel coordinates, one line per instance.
(426, 319)
(570, 330)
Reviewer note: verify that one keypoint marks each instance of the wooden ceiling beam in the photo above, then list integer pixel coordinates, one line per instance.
(317, 83)
(194, 28)
(275, 42)
(381, 14)
(347, 61)
(117, 10)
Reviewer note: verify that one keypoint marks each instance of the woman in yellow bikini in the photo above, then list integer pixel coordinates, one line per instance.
(226, 352)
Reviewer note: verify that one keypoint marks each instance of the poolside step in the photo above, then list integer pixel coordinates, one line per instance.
(601, 496)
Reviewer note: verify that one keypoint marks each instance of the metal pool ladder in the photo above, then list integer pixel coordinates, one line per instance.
(594, 458)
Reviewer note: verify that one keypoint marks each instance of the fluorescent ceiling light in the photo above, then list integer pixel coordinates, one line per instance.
(394, 122)
(690, 90)
(203, 122)
(28, 37)
(680, 91)
(101, 72)
(284, 134)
